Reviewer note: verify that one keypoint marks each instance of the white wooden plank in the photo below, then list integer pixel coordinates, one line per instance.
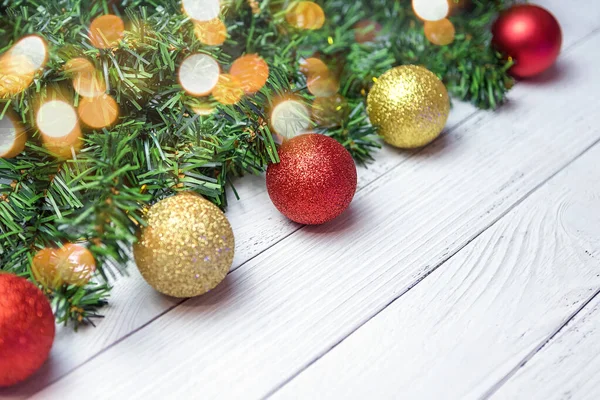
(465, 327)
(568, 367)
(289, 305)
(257, 226)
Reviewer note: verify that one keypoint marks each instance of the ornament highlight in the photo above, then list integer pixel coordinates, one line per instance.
(26, 329)
(410, 105)
(187, 247)
(314, 181)
(199, 74)
(531, 36)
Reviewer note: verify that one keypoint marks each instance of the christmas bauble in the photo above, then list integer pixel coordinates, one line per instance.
(26, 329)
(410, 105)
(187, 247)
(531, 36)
(314, 181)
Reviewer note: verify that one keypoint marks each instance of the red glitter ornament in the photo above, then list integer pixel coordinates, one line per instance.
(531, 36)
(26, 329)
(315, 180)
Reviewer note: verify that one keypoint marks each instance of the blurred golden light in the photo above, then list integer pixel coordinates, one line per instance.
(12, 137)
(330, 111)
(89, 83)
(59, 128)
(305, 15)
(366, 31)
(19, 65)
(290, 118)
(440, 32)
(33, 48)
(211, 33)
(252, 72)
(228, 90)
(201, 10)
(431, 10)
(323, 86)
(78, 65)
(313, 66)
(198, 74)
(106, 31)
(98, 112)
(203, 109)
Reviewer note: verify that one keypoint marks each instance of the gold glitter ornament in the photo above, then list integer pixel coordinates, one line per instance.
(187, 247)
(410, 105)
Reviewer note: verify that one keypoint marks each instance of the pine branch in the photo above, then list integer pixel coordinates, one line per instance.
(161, 146)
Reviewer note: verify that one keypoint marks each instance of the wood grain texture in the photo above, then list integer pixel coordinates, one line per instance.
(480, 315)
(568, 366)
(289, 305)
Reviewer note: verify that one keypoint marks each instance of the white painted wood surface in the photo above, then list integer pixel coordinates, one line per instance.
(568, 367)
(465, 328)
(296, 292)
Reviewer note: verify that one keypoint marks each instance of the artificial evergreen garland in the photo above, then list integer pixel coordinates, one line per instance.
(160, 146)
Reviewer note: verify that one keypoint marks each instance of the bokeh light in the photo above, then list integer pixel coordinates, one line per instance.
(228, 90)
(78, 65)
(290, 118)
(431, 10)
(98, 112)
(201, 10)
(89, 83)
(440, 32)
(19, 65)
(106, 31)
(366, 31)
(59, 127)
(12, 137)
(313, 67)
(211, 33)
(252, 72)
(33, 48)
(305, 15)
(199, 74)
(323, 86)
(331, 111)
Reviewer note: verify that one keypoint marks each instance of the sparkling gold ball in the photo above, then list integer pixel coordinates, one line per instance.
(187, 247)
(410, 105)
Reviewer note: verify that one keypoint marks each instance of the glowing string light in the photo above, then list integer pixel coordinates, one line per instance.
(19, 65)
(252, 72)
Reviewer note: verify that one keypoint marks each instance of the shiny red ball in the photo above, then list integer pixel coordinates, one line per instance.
(531, 36)
(315, 180)
(26, 329)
